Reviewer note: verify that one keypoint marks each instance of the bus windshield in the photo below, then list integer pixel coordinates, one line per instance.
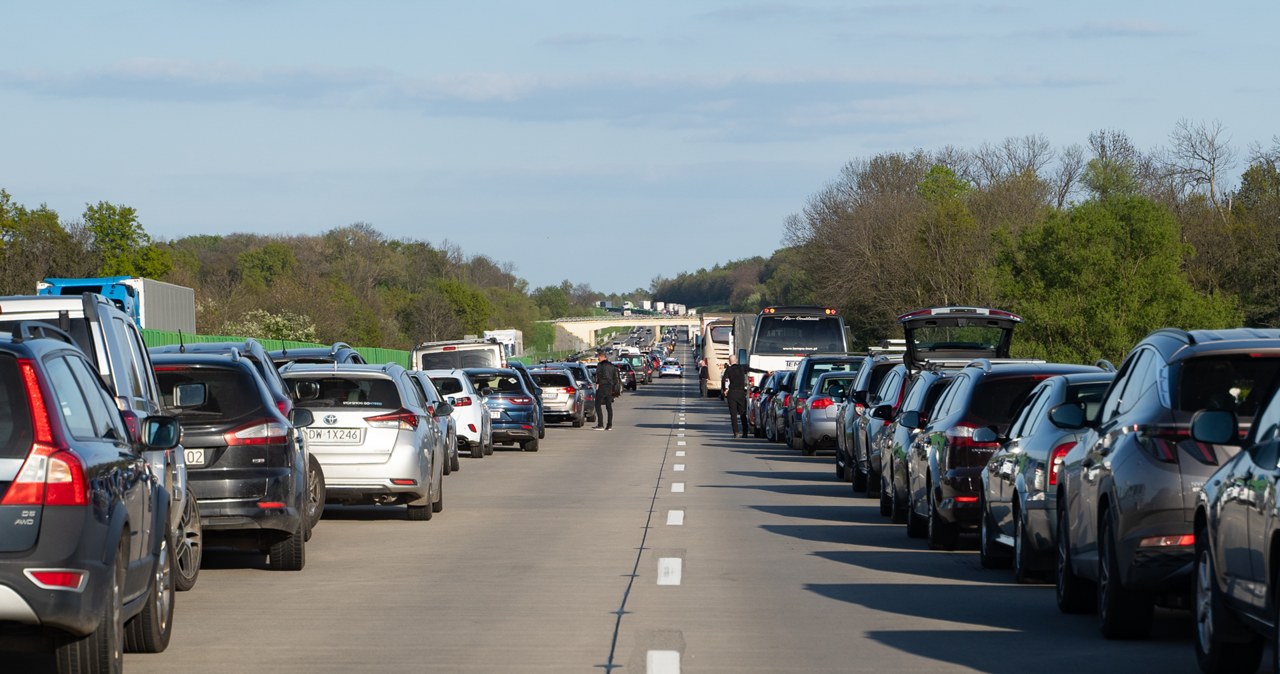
(782, 334)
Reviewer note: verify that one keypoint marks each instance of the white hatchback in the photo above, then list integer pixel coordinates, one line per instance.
(475, 431)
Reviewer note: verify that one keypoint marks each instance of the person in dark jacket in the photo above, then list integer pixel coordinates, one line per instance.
(735, 392)
(608, 383)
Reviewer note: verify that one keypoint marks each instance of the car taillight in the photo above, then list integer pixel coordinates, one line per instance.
(401, 419)
(463, 401)
(521, 400)
(1182, 541)
(821, 403)
(260, 432)
(1160, 441)
(285, 407)
(960, 436)
(569, 390)
(51, 474)
(1056, 456)
(786, 399)
(800, 404)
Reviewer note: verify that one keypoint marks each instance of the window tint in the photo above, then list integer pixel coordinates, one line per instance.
(551, 380)
(15, 415)
(500, 383)
(817, 369)
(461, 358)
(1111, 404)
(72, 405)
(230, 392)
(996, 399)
(1028, 417)
(936, 389)
(429, 388)
(887, 394)
(1239, 383)
(835, 386)
(947, 402)
(372, 392)
(878, 373)
(447, 385)
(1089, 395)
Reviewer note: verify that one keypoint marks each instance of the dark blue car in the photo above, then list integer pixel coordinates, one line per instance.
(513, 410)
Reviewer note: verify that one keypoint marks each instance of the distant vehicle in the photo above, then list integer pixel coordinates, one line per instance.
(154, 305)
(782, 336)
(717, 340)
(460, 354)
(818, 421)
(671, 368)
(807, 372)
(448, 425)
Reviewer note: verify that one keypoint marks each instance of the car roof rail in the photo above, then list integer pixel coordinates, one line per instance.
(235, 354)
(26, 330)
(1105, 365)
(1181, 335)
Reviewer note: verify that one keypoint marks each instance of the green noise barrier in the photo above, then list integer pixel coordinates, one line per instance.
(372, 354)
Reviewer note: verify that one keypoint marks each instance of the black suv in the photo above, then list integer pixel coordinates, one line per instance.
(339, 352)
(245, 460)
(85, 568)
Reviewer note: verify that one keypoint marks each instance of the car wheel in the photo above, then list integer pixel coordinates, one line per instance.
(579, 420)
(542, 431)
(990, 553)
(454, 463)
(149, 631)
(1122, 612)
(438, 504)
(188, 546)
(529, 445)
(873, 482)
(886, 498)
(899, 513)
(419, 513)
(917, 525)
(1074, 594)
(103, 649)
(315, 493)
(1024, 564)
(289, 554)
(1213, 621)
(942, 534)
(807, 448)
(476, 450)
(859, 479)
(488, 447)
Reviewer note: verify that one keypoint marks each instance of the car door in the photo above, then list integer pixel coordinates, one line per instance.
(1251, 495)
(1001, 469)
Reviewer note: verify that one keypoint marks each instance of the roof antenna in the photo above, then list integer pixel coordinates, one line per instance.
(182, 347)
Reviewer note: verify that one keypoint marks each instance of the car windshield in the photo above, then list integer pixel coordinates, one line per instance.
(1239, 382)
(230, 393)
(375, 392)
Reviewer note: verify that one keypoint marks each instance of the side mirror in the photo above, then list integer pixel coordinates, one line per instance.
(306, 390)
(1216, 427)
(161, 432)
(985, 435)
(859, 397)
(911, 420)
(883, 412)
(486, 391)
(1067, 416)
(190, 395)
(301, 417)
(444, 409)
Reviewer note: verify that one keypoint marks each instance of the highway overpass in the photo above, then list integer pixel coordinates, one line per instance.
(580, 332)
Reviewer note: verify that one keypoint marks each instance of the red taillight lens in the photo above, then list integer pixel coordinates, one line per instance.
(404, 483)
(1056, 456)
(786, 400)
(51, 474)
(569, 390)
(472, 428)
(521, 400)
(961, 437)
(271, 505)
(260, 432)
(35, 396)
(462, 401)
(1185, 540)
(401, 419)
(56, 579)
(821, 403)
(285, 407)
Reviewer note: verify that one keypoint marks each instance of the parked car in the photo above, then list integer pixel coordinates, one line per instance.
(872, 427)
(1126, 491)
(562, 398)
(246, 462)
(775, 413)
(1020, 478)
(474, 430)
(338, 352)
(630, 380)
(534, 390)
(375, 439)
(757, 397)
(849, 440)
(113, 344)
(513, 409)
(448, 426)
(1236, 536)
(85, 564)
(948, 456)
(818, 421)
(671, 368)
(807, 371)
(924, 388)
(584, 376)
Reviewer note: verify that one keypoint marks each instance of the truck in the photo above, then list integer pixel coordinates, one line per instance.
(512, 340)
(459, 353)
(152, 304)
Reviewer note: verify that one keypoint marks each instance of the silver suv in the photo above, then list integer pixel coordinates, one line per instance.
(373, 434)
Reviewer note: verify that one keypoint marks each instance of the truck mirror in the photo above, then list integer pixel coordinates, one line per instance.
(742, 356)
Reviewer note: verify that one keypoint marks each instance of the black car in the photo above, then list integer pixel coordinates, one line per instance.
(338, 352)
(630, 381)
(924, 388)
(534, 390)
(245, 460)
(85, 565)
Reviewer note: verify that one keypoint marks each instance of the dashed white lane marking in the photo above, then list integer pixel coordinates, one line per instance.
(679, 435)
(675, 518)
(680, 443)
(679, 452)
(662, 662)
(669, 570)
(679, 467)
(677, 487)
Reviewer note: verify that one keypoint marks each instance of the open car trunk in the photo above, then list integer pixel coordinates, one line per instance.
(956, 334)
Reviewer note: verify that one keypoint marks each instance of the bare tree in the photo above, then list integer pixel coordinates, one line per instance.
(1199, 155)
(1070, 166)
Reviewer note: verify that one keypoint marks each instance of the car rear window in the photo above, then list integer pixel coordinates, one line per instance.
(997, 399)
(354, 392)
(836, 385)
(230, 393)
(551, 379)
(1090, 395)
(1240, 383)
(447, 386)
(500, 383)
(461, 358)
(818, 369)
(15, 415)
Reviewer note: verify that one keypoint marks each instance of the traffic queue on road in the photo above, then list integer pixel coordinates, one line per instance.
(1151, 485)
(122, 464)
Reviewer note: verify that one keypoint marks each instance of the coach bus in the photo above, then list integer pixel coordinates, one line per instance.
(782, 336)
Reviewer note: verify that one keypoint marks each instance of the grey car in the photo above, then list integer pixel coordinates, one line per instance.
(1018, 514)
(821, 410)
(563, 399)
(373, 435)
(1127, 491)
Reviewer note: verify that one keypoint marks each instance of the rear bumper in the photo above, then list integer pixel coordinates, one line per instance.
(820, 432)
(68, 540)
(368, 482)
(222, 516)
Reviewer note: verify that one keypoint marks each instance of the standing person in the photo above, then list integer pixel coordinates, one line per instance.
(608, 384)
(735, 378)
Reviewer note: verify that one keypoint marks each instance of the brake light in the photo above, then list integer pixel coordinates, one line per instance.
(51, 474)
(786, 399)
(404, 483)
(260, 432)
(285, 406)
(271, 505)
(450, 348)
(521, 400)
(960, 436)
(569, 390)
(1160, 441)
(821, 403)
(401, 419)
(1185, 540)
(472, 427)
(966, 499)
(464, 401)
(35, 396)
(800, 404)
(1056, 456)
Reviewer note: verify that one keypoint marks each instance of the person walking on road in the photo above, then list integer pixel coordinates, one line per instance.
(735, 380)
(608, 385)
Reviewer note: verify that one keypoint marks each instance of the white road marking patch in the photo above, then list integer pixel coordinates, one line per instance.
(679, 467)
(675, 518)
(679, 452)
(662, 662)
(679, 435)
(669, 570)
(677, 487)
(679, 443)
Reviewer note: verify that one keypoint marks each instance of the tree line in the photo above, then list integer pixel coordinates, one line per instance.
(1094, 245)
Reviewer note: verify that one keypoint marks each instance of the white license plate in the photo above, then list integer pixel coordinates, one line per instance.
(495, 414)
(335, 436)
(193, 457)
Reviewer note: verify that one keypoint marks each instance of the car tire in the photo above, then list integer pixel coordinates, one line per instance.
(917, 526)
(873, 482)
(1214, 619)
(808, 448)
(1024, 558)
(188, 546)
(529, 445)
(438, 504)
(454, 463)
(149, 631)
(579, 420)
(315, 493)
(859, 480)
(289, 554)
(1122, 613)
(942, 534)
(991, 553)
(476, 450)
(1074, 594)
(898, 513)
(886, 498)
(488, 448)
(419, 513)
(542, 431)
(102, 650)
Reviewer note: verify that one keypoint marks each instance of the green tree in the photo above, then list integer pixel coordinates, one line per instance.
(470, 306)
(122, 243)
(263, 324)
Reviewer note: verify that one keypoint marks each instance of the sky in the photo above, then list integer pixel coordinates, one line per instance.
(598, 142)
